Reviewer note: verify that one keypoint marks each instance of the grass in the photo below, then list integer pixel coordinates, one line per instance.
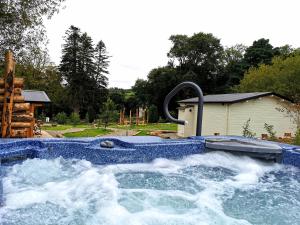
(88, 133)
(144, 133)
(60, 127)
(149, 127)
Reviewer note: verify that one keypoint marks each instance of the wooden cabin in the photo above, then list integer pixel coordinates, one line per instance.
(36, 99)
(18, 105)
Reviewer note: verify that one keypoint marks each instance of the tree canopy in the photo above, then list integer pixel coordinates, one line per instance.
(84, 68)
(21, 25)
(202, 59)
(281, 77)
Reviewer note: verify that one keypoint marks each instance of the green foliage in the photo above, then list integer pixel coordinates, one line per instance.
(74, 118)
(153, 114)
(261, 52)
(91, 114)
(102, 64)
(282, 77)
(198, 58)
(109, 113)
(84, 68)
(297, 138)
(21, 26)
(270, 130)
(235, 66)
(160, 82)
(61, 118)
(291, 111)
(140, 90)
(247, 131)
(117, 95)
(41, 117)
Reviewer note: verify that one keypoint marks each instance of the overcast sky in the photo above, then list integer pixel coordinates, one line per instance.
(136, 32)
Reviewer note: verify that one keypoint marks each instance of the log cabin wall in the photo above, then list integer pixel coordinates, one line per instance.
(17, 116)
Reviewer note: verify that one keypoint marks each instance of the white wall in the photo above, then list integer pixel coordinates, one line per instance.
(228, 119)
(213, 120)
(260, 111)
(188, 114)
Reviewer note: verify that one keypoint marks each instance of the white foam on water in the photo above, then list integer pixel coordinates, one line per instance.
(192, 191)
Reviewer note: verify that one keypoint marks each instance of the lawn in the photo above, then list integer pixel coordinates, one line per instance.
(149, 127)
(60, 127)
(88, 133)
(144, 133)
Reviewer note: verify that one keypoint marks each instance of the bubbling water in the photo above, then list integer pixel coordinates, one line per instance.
(213, 188)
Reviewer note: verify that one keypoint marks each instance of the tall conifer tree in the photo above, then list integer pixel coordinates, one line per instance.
(84, 69)
(70, 66)
(102, 64)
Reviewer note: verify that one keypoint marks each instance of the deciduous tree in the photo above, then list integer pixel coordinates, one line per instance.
(21, 25)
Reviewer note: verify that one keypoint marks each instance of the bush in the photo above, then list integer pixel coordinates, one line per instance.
(270, 130)
(247, 131)
(41, 117)
(153, 114)
(74, 119)
(61, 118)
(297, 138)
(108, 114)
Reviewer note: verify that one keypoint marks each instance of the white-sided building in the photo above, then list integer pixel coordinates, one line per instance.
(225, 114)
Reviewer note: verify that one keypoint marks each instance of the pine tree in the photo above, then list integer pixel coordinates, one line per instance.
(88, 71)
(102, 64)
(70, 67)
(84, 69)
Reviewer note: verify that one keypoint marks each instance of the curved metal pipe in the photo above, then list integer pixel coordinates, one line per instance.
(200, 104)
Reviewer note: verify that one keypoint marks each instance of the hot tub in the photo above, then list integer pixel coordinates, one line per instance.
(147, 180)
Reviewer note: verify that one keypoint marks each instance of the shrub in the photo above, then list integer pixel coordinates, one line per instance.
(153, 114)
(74, 119)
(41, 117)
(247, 131)
(61, 118)
(109, 113)
(270, 130)
(297, 138)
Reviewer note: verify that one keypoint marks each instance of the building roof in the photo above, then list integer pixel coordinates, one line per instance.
(35, 96)
(232, 98)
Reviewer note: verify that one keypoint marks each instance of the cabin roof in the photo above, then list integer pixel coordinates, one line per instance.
(232, 98)
(35, 96)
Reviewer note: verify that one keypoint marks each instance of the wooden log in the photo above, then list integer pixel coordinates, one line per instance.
(21, 107)
(8, 84)
(17, 91)
(21, 124)
(18, 82)
(22, 118)
(19, 133)
(17, 98)
(20, 113)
